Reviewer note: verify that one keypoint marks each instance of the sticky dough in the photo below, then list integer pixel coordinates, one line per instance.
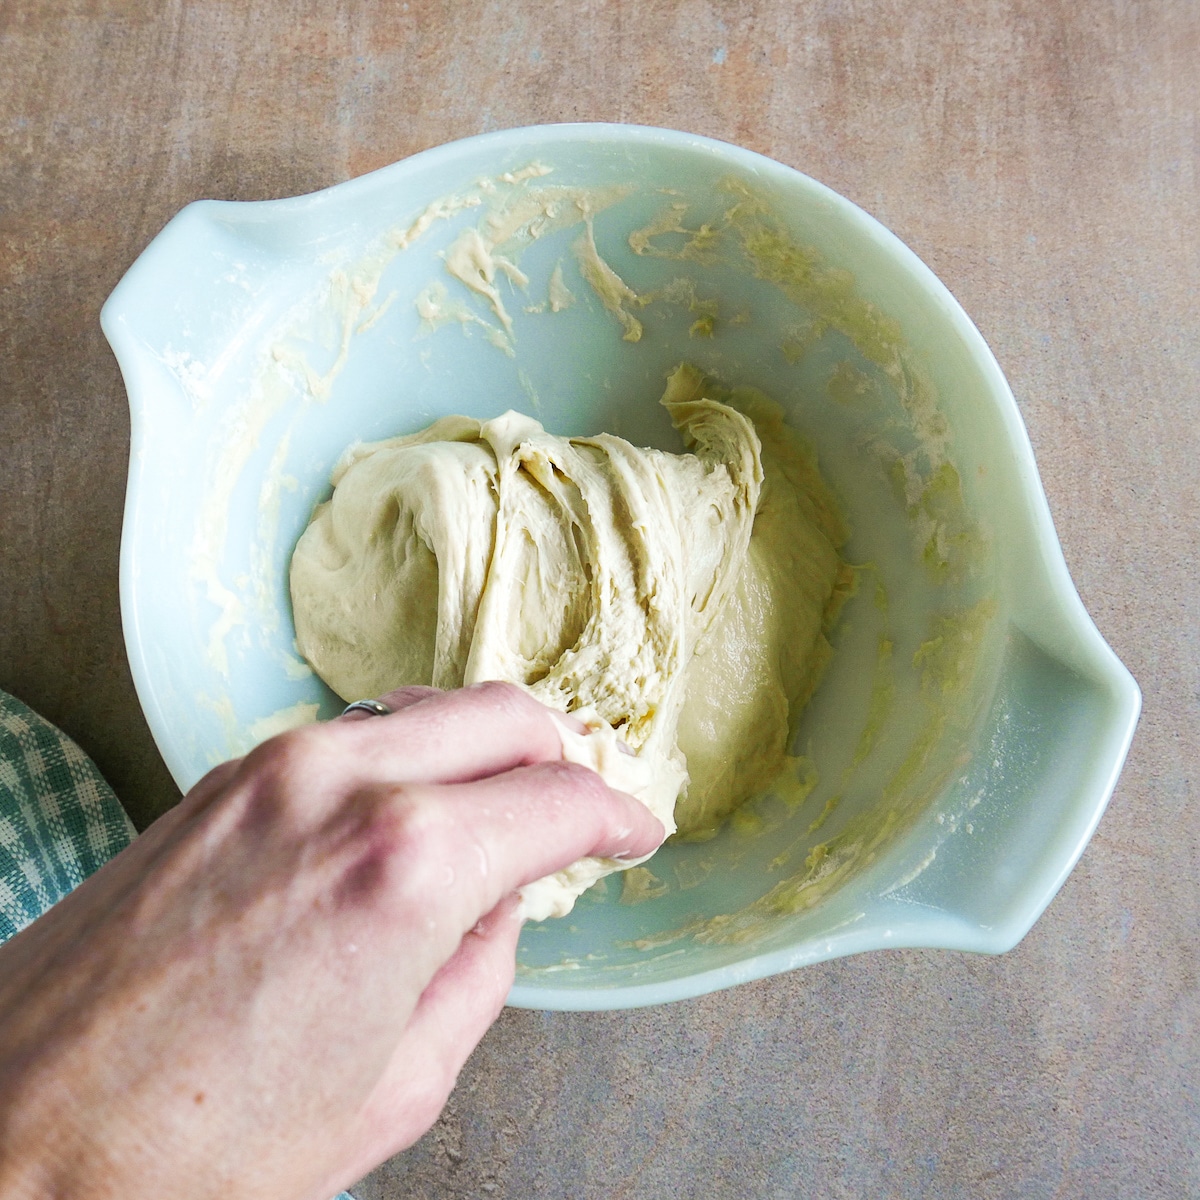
(676, 599)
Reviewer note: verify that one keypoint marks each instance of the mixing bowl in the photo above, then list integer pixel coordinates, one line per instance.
(971, 723)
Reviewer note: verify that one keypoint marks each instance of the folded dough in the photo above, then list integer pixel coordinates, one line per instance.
(677, 599)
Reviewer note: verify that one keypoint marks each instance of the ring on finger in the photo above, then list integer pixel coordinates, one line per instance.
(374, 708)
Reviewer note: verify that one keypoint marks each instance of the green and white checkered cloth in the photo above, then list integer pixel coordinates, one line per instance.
(59, 820)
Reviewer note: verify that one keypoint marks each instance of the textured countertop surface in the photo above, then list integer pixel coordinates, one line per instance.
(1042, 157)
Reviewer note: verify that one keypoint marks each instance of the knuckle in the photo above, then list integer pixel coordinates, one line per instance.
(404, 697)
(217, 775)
(289, 755)
(527, 719)
(503, 697)
(406, 825)
(211, 786)
(574, 775)
(398, 840)
(283, 775)
(574, 782)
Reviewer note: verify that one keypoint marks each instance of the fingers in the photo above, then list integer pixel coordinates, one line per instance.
(454, 1012)
(467, 994)
(470, 845)
(454, 737)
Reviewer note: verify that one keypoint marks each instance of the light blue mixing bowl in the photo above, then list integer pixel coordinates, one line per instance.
(972, 722)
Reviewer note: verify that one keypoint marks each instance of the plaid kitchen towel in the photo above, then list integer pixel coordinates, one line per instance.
(59, 820)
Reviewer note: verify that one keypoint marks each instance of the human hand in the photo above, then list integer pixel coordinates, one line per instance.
(275, 986)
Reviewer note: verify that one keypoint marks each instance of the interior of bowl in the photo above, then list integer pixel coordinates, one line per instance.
(971, 722)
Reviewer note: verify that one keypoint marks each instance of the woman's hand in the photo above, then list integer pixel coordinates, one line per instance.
(275, 986)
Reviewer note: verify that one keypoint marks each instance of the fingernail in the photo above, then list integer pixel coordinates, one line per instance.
(574, 724)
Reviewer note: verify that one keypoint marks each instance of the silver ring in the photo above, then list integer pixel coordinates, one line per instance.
(376, 708)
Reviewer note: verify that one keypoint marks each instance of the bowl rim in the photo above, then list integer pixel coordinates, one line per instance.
(1105, 671)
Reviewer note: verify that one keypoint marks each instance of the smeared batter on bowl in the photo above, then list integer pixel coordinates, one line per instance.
(679, 599)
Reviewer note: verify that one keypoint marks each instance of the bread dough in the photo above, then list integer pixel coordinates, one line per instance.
(675, 600)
